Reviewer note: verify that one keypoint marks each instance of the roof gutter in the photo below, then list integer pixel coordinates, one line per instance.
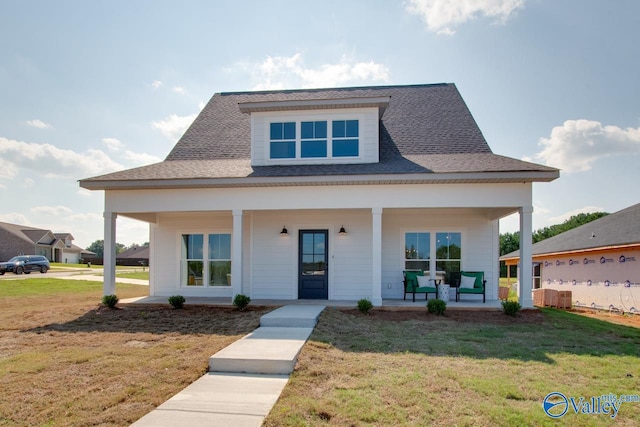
(388, 179)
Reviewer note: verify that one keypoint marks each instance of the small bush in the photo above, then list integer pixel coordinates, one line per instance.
(177, 301)
(436, 306)
(110, 300)
(364, 305)
(511, 308)
(241, 301)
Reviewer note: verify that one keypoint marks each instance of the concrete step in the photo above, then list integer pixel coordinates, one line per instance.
(267, 350)
(293, 316)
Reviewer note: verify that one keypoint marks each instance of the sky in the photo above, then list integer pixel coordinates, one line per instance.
(88, 88)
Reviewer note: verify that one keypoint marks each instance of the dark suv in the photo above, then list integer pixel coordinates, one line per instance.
(25, 264)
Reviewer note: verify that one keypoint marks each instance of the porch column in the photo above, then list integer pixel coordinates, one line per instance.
(236, 254)
(109, 253)
(526, 263)
(376, 257)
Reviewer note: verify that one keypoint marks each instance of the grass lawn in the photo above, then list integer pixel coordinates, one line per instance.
(462, 369)
(65, 360)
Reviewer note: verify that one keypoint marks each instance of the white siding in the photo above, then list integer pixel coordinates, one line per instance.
(478, 236)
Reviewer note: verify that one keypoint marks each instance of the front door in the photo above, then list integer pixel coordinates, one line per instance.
(313, 277)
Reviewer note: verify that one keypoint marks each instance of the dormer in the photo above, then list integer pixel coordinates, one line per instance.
(311, 132)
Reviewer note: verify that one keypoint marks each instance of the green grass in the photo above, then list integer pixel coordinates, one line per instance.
(360, 370)
(142, 275)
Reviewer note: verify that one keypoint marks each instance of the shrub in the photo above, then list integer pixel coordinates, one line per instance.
(241, 301)
(511, 308)
(364, 305)
(110, 300)
(177, 301)
(436, 306)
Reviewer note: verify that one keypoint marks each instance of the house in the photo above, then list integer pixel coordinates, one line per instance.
(599, 262)
(134, 256)
(323, 194)
(22, 240)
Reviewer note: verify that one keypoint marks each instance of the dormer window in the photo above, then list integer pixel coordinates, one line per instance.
(314, 139)
(323, 131)
(345, 138)
(283, 140)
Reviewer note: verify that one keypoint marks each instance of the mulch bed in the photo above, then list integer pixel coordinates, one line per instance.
(458, 315)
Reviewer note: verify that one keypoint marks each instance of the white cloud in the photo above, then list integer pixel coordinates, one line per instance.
(281, 72)
(565, 216)
(14, 218)
(174, 126)
(113, 144)
(180, 90)
(28, 183)
(140, 159)
(577, 144)
(53, 161)
(7, 170)
(442, 16)
(52, 210)
(84, 192)
(38, 124)
(156, 84)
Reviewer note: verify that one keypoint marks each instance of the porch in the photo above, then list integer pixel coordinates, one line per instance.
(391, 304)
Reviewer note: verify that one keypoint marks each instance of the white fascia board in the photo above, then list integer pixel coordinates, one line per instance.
(484, 177)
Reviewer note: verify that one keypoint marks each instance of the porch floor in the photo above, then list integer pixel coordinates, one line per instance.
(386, 303)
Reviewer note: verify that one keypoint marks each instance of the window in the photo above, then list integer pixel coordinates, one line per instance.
(217, 253)
(283, 140)
(417, 251)
(449, 254)
(314, 139)
(192, 261)
(219, 260)
(345, 138)
(310, 139)
(447, 246)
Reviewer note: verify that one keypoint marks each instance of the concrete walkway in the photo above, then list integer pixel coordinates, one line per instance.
(245, 378)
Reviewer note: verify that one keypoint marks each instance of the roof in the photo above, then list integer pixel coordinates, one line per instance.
(28, 234)
(32, 234)
(618, 229)
(427, 134)
(135, 252)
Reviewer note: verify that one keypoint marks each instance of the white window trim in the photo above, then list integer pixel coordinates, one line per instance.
(205, 256)
(433, 244)
(300, 117)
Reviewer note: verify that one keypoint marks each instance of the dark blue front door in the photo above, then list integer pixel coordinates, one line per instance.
(313, 277)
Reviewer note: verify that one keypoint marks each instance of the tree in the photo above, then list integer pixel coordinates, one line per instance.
(510, 242)
(98, 248)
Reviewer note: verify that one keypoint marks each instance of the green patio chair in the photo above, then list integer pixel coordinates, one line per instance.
(411, 285)
(479, 284)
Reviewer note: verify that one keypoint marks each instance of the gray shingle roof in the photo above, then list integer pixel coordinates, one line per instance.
(617, 229)
(426, 129)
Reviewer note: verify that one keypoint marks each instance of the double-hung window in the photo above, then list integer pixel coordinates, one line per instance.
(283, 140)
(449, 254)
(417, 251)
(345, 138)
(205, 259)
(314, 139)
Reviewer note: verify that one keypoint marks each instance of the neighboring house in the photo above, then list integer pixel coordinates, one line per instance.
(21, 240)
(599, 262)
(323, 194)
(135, 255)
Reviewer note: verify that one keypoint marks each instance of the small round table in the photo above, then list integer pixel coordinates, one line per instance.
(443, 292)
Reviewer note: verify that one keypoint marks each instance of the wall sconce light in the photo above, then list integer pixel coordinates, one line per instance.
(284, 231)
(342, 231)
